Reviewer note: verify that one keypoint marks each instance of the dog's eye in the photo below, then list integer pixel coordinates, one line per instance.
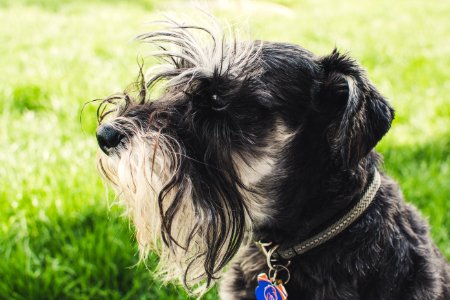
(218, 103)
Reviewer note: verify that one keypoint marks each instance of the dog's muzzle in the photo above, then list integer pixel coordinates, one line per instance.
(108, 138)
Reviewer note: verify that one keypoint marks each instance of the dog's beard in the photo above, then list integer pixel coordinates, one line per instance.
(193, 240)
(141, 178)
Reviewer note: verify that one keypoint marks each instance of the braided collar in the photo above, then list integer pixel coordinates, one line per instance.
(337, 227)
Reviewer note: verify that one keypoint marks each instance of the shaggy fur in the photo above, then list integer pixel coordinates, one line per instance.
(228, 142)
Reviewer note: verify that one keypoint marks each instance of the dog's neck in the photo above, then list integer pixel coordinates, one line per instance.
(338, 226)
(320, 198)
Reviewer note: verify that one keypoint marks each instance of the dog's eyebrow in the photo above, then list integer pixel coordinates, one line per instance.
(186, 54)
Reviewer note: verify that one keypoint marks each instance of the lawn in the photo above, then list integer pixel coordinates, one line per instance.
(61, 237)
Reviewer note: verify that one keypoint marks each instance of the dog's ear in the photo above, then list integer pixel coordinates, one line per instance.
(359, 114)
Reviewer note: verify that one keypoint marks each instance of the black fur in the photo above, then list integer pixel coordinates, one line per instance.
(338, 117)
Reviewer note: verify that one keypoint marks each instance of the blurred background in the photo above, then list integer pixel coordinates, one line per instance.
(60, 235)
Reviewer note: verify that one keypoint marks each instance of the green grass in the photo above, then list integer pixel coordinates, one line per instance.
(59, 237)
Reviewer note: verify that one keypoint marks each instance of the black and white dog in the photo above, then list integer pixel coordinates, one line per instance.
(228, 143)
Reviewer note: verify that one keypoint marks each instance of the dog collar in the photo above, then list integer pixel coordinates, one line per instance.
(336, 227)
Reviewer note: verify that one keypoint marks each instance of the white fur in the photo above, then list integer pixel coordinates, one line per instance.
(252, 170)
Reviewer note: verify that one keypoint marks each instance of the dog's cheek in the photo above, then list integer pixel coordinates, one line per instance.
(255, 169)
(252, 169)
(258, 162)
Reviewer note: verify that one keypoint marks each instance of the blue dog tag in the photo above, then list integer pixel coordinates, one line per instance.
(267, 289)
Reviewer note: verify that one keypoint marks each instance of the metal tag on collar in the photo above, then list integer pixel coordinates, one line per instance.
(269, 289)
(270, 286)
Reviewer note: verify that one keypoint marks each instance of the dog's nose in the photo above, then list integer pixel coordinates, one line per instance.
(108, 137)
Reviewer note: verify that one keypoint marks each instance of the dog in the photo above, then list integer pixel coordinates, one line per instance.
(253, 162)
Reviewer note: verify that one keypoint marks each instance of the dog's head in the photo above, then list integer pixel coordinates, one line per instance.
(197, 153)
